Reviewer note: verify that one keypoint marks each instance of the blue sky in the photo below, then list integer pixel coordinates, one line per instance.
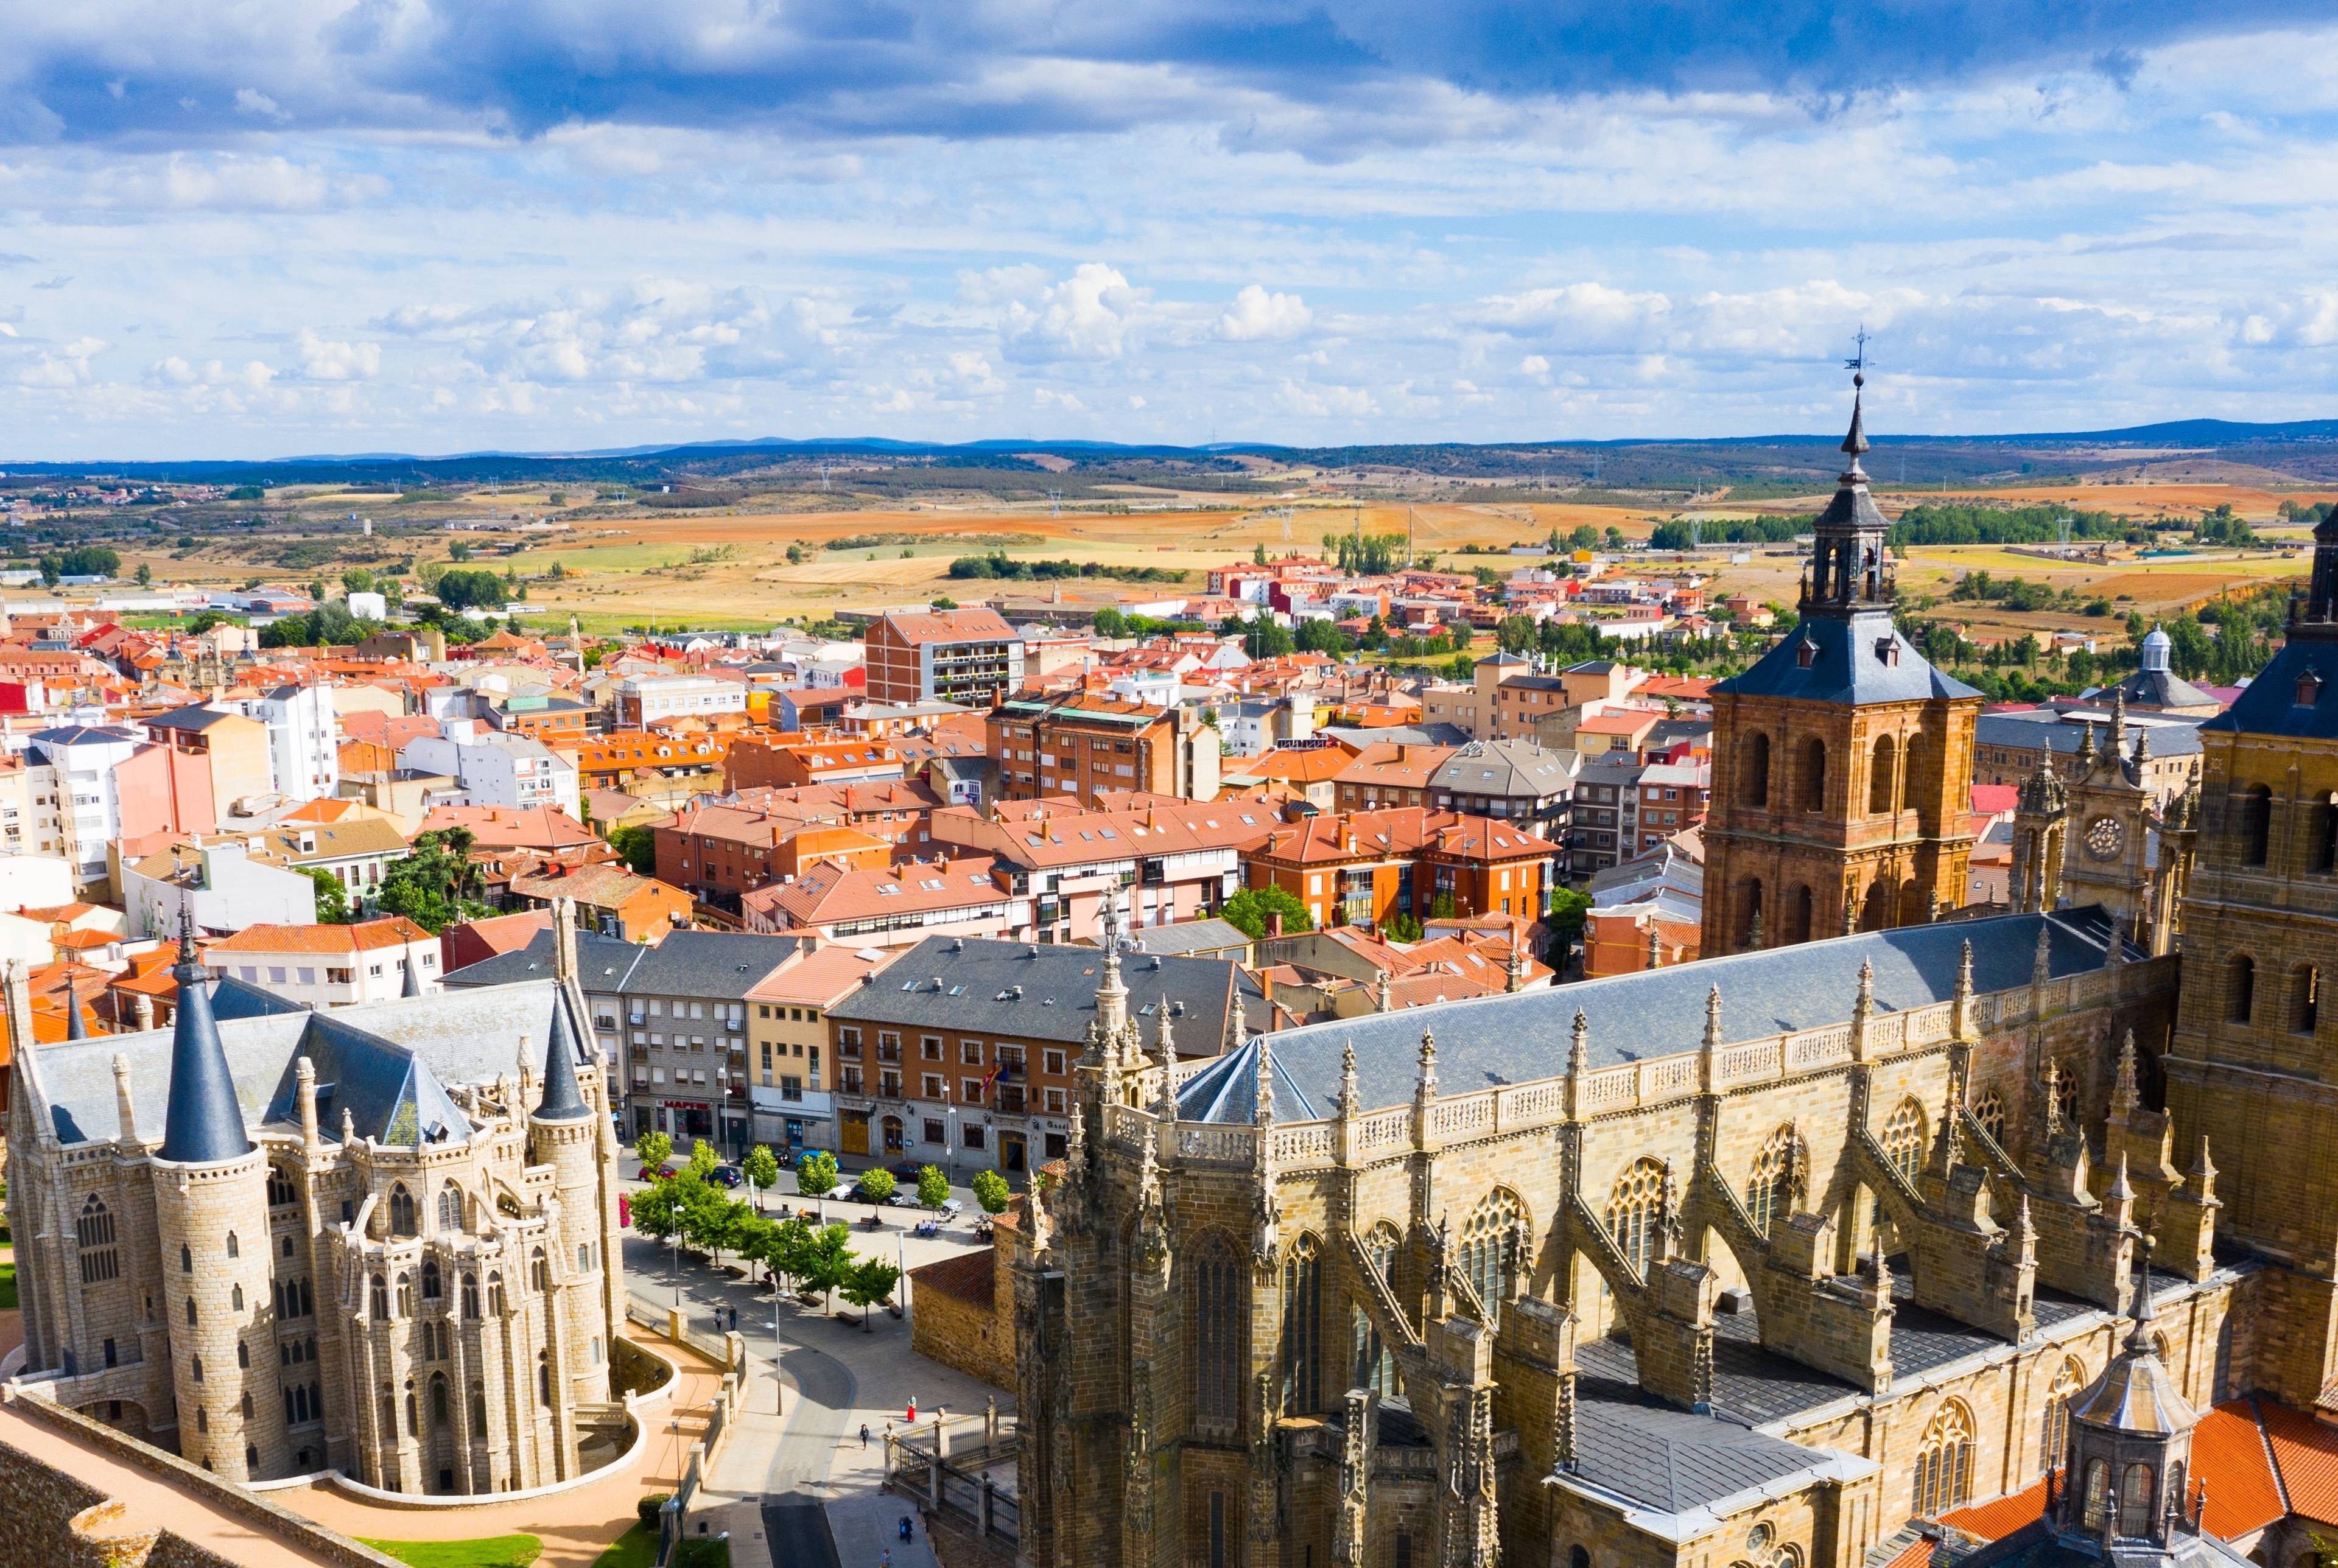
(282, 226)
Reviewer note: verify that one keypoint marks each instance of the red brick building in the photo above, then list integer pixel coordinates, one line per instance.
(970, 656)
(1359, 868)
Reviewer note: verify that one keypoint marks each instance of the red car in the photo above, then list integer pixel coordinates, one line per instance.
(663, 1174)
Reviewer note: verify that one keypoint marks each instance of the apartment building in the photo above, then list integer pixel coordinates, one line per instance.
(685, 1016)
(961, 1053)
(236, 753)
(1672, 796)
(1176, 859)
(1604, 815)
(1361, 867)
(970, 656)
(332, 965)
(1384, 774)
(1083, 745)
(638, 701)
(303, 737)
(787, 1033)
(892, 907)
(785, 761)
(659, 768)
(491, 769)
(1517, 780)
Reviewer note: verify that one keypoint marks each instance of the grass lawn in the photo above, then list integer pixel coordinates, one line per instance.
(494, 1552)
(636, 1548)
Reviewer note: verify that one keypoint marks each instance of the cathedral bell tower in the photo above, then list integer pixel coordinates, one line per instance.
(1842, 760)
(2253, 1064)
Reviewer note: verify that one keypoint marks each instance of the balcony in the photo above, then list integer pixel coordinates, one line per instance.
(889, 1052)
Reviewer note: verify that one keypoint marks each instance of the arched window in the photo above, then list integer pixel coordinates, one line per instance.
(2054, 1436)
(496, 1294)
(2098, 1493)
(1876, 908)
(2255, 824)
(186, 1259)
(1303, 1327)
(1381, 1245)
(1814, 779)
(406, 1295)
(380, 1297)
(413, 1415)
(1749, 909)
(544, 1376)
(94, 1234)
(2135, 1502)
(288, 1246)
(245, 1404)
(470, 1296)
(250, 1451)
(195, 1367)
(1756, 772)
(203, 1423)
(233, 1250)
(2321, 848)
(2240, 988)
(1375, 1368)
(1882, 787)
(401, 1211)
(478, 1408)
(1489, 1249)
(1800, 908)
(1635, 1209)
(1903, 1138)
(439, 1399)
(1989, 1111)
(583, 1257)
(1777, 1180)
(1913, 761)
(539, 1273)
(1217, 1306)
(282, 1193)
(235, 1296)
(243, 1354)
(190, 1311)
(430, 1279)
(2304, 998)
(450, 1207)
(1944, 1462)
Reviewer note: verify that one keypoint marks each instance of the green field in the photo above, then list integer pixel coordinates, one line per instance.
(492, 1552)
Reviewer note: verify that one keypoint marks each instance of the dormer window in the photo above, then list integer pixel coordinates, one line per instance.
(1806, 653)
(1887, 651)
(2309, 690)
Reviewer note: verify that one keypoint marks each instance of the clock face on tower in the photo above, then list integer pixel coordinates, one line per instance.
(2104, 837)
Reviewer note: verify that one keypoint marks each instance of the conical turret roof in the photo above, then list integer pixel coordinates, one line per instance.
(563, 1101)
(203, 1125)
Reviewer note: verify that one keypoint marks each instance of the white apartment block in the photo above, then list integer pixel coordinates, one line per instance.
(644, 699)
(332, 965)
(304, 745)
(490, 768)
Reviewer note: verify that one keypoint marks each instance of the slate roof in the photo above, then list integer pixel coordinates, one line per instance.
(1631, 1444)
(1186, 938)
(1846, 668)
(603, 963)
(2269, 706)
(1437, 734)
(721, 964)
(1512, 768)
(1523, 1036)
(202, 1123)
(387, 1062)
(2062, 736)
(978, 979)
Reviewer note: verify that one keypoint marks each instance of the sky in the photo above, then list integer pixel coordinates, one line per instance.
(273, 227)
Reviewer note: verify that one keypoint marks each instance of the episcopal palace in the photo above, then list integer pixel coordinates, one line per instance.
(1885, 1208)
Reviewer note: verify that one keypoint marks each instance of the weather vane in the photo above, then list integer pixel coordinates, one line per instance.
(1857, 363)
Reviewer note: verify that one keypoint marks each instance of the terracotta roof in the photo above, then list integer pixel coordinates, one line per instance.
(511, 826)
(1395, 765)
(1294, 764)
(604, 886)
(831, 892)
(507, 933)
(366, 936)
(1064, 833)
(1991, 800)
(2306, 1450)
(970, 1277)
(951, 627)
(1914, 1554)
(822, 977)
(2002, 1515)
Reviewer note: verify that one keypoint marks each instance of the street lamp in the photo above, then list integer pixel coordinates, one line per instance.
(676, 1220)
(779, 1384)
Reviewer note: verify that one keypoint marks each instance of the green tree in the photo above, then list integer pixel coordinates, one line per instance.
(459, 551)
(332, 899)
(1247, 911)
(761, 1168)
(816, 1174)
(657, 1212)
(436, 884)
(827, 1261)
(358, 580)
(703, 1157)
(933, 1187)
(653, 1149)
(990, 1191)
(868, 1286)
(752, 1240)
(1257, 554)
(878, 1184)
(638, 847)
(1400, 927)
(1109, 623)
(789, 1245)
(1567, 908)
(146, 575)
(473, 590)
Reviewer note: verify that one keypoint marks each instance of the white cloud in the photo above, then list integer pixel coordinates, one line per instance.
(251, 101)
(1259, 317)
(1088, 316)
(321, 360)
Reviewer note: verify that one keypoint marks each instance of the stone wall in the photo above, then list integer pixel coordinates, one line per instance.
(962, 1316)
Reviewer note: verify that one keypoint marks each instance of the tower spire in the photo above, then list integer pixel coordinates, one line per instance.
(561, 1100)
(202, 1125)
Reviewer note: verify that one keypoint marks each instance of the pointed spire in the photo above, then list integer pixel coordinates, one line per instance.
(2125, 1095)
(2139, 1337)
(202, 1123)
(1383, 992)
(1862, 1002)
(2053, 1098)
(561, 1100)
(1350, 1099)
(1854, 440)
(1753, 931)
(1713, 1019)
(1164, 1045)
(1239, 1024)
(74, 1028)
(125, 1111)
(2087, 751)
(2041, 960)
(1263, 1107)
(2122, 1191)
(2202, 1177)
(1076, 1144)
(1965, 973)
(2142, 746)
(1425, 1081)
(2118, 723)
(1578, 1052)
(348, 1128)
(412, 984)
(1655, 945)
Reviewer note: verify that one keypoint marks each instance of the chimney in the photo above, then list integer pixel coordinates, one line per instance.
(1273, 923)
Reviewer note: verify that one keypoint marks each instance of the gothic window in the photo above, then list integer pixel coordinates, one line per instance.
(401, 1211)
(1903, 1138)
(1381, 1246)
(186, 1259)
(2054, 1439)
(380, 1297)
(195, 1367)
(1883, 797)
(243, 1356)
(1800, 907)
(2240, 988)
(203, 1422)
(479, 1409)
(2135, 1502)
(1777, 1171)
(233, 1250)
(1989, 1111)
(2304, 998)
(439, 1399)
(190, 1311)
(1814, 770)
(2098, 1493)
(2321, 848)
(470, 1296)
(1375, 1368)
(1912, 763)
(450, 1207)
(406, 1295)
(1489, 1254)
(2065, 1094)
(235, 1298)
(539, 1273)
(1302, 1321)
(245, 1404)
(544, 1376)
(2255, 824)
(413, 1425)
(93, 1232)
(282, 1193)
(1757, 770)
(1944, 1462)
(1635, 1209)
(430, 1279)
(288, 1246)
(496, 1294)
(1217, 1335)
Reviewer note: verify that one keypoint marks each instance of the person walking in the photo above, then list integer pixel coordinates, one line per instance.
(864, 1434)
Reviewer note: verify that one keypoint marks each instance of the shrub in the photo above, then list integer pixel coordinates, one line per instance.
(646, 1510)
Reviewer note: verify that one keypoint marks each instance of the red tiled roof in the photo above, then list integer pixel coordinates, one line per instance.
(394, 931)
(1914, 1554)
(969, 1276)
(2001, 1516)
(1991, 800)
(2306, 1453)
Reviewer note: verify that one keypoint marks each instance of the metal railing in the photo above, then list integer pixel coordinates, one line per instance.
(953, 1477)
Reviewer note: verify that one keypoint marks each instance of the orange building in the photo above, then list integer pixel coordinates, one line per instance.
(786, 761)
(1359, 868)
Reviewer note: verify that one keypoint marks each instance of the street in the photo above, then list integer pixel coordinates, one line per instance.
(802, 1481)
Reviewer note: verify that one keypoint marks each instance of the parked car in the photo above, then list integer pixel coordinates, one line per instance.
(904, 1198)
(908, 1172)
(727, 1175)
(950, 1208)
(663, 1174)
(860, 1194)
